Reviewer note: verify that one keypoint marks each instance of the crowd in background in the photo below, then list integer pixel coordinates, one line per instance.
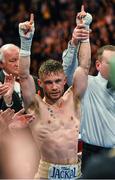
(54, 22)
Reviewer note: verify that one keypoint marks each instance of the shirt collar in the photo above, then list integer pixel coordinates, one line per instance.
(104, 81)
(5, 72)
(101, 79)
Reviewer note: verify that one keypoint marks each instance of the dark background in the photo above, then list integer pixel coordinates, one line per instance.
(54, 22)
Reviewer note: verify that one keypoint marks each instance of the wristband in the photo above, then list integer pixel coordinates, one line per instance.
(86, 21)
(24, 53)
(26, 41)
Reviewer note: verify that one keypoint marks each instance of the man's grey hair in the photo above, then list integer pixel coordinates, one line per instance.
(5, 47)
(1, 55)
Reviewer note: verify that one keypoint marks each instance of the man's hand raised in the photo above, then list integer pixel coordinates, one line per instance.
(26, 32)
(26, 29)
(81, 15)
(84, 18)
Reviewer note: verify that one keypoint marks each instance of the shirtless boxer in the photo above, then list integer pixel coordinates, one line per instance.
(57, 116)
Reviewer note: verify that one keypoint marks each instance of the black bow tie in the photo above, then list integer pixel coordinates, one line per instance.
(109, 85)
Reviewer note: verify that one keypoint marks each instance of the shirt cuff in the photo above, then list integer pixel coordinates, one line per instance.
(10, 105)
(70, 45)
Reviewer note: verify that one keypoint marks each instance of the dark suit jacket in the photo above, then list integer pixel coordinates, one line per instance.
(17, 101)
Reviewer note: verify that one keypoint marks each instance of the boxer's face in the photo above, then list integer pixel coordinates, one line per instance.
(53, 85)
